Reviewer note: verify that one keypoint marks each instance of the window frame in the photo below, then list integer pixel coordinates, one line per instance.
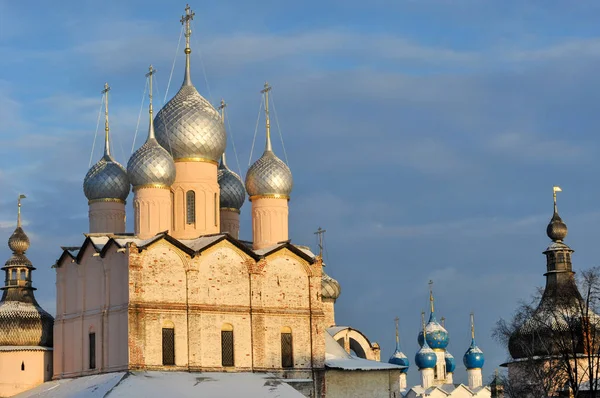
(190, 207)
(92, 350)
(168, 350)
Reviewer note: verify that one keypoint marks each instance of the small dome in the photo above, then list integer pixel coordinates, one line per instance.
(25, 324)
(269, 176)
(107, 179)
(473, 358)
(425, 358)
(450, 362)
(151, 165)
(190, 127)
(398, 358)
(330, 288)
(437, 336)
(18, 241)
(557, 229)
(233, 193)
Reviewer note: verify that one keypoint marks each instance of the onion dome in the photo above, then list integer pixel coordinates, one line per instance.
(437, 335)
(330, 288)
(107, 179)
(233, 193)
(556, 229)
(151, 165)
(269, 176)
(473, 358)
(450, 362)
(188, 125)
(425, 358)
(22, 321)
(398, 357)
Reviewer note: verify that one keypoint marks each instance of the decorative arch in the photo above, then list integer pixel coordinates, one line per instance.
(354, 341)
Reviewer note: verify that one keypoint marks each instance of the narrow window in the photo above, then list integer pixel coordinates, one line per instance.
(22, 366)
(190, 203)
(23, 275)
(92, 350)
(287, 357)
(227, 345)
(13, 274)
(168, 346)
(172, 210)
(215, 202)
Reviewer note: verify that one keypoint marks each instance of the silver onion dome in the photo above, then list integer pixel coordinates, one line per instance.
(188, 125)
(330, 288)
(269, 176)
(151, 165)
(233, 193)
(107, 179)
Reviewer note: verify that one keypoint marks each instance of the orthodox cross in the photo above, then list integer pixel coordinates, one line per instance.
(21, 196)
(151, 71)
(472, 325)
(320, 234)
(185, 19)
(106, 128)
(265, 91)
(431, 294)
(397, 334)
(222, 109)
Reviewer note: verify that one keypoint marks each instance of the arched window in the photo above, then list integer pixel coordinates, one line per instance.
(190, 206)
(13, 274)
(23, 275)
(22, 365)
(287, 350)
(227, 358)
(168, 346)
(92, 350)
(215, 203)
(172, 210)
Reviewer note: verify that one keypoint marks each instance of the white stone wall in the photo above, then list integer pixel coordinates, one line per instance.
(361, 384)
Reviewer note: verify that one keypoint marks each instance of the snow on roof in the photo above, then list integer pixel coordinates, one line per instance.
(337, 358)
(167, 384)
(336, 329)
(201, 242)
(265, 250)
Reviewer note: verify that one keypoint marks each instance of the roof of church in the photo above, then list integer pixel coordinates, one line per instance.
(337, 358)
(448, 389)
(102, 242)
(167, 384)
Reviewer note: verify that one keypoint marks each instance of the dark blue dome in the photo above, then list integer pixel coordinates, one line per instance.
(473, 358)
(437, 336)
(450, 362)
(425, 358)
(398, 358)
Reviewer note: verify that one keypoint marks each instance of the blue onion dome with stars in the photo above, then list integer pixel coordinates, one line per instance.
(437, 335)
(450, 362)
(473, 358)
(398, 357)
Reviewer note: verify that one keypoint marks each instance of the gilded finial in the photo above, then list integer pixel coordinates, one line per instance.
(320, 235)
(431, 295)
(106, 128)
(555, 189)
(151, 71)
(265, 91)
(185, 20)
(21, 196)
(472, 326)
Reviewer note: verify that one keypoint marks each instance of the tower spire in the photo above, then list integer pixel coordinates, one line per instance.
(431, 295)
(151, 71)
(106, 128)
(185, 20)
(21, 196)
(265, 91)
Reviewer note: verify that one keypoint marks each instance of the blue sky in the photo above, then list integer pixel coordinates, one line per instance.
(425, 136)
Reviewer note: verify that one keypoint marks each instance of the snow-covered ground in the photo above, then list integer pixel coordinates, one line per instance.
(166, 384)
